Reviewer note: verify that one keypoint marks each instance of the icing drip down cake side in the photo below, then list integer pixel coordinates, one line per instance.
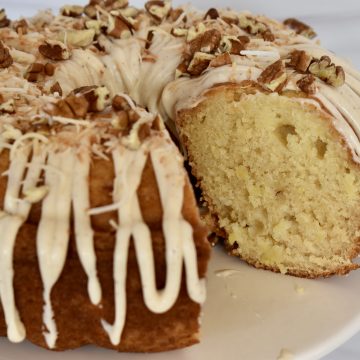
(101, 240)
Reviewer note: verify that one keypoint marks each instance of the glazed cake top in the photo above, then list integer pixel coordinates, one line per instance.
(166, 58)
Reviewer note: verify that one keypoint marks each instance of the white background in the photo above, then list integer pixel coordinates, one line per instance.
(336, 21)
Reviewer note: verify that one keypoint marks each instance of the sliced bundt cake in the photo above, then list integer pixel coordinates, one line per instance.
(270, 123)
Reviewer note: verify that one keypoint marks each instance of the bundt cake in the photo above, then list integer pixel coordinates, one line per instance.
(101, 241)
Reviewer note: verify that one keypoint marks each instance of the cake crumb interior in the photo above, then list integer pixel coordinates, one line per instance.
(279, 178)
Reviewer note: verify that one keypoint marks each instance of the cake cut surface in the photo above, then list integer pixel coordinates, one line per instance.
(279, 178)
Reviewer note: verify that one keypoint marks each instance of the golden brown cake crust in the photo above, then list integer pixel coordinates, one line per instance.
(77, 319)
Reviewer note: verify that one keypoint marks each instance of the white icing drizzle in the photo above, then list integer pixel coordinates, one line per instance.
(186, 92)
(16, 213)
(66, 176)
(53, 232)
(84, 233)
(177, 232)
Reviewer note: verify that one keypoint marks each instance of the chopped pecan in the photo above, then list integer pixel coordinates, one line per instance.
(90, 11)
(56, 88)
(199, 63)
(119, 103)
(244, 39)
(233, 44)
(307, 84)
(221, 60)
(212, 14)
(35, 72)
(72, 10)
(300, 28)
(133, 116)
(149, 39)
(299, 60)
(230, 20)
(128, 15)
(98, 97)
(96, 25)
(118, 28)
(206, 42)
(179, 32)
(7, 107)
(195, 31)
(274, 76)
(4, 21)
(54, 50)
(49, 69)
(96, 2)
(5, 58)
(78, 38)
(71, 107)
(328, 72)
(121, 120)
(267, 35)
(251, 25)
(119, 4)
(174, 14)
(144, 132)
(21, 27)
(158, 9)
